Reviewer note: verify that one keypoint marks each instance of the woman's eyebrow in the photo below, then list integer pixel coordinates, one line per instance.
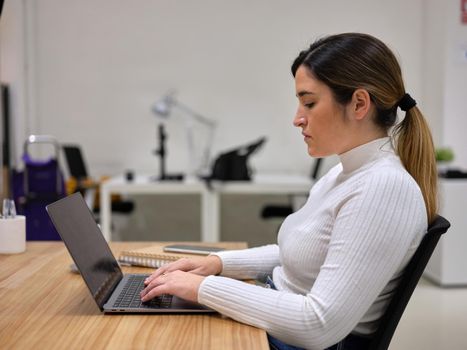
(304, 93)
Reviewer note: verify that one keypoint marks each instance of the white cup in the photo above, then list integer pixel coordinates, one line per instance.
(13, 235)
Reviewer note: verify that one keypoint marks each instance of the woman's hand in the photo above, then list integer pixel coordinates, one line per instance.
(205, 266)
(183, 284)
(181, 278)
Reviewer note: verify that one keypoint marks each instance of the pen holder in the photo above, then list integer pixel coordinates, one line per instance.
(13, 235)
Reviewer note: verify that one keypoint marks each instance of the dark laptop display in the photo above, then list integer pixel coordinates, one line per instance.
(75, 161)
(97, 265)
(87, 247)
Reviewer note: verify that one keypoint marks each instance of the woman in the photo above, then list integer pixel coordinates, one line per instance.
(339, 257)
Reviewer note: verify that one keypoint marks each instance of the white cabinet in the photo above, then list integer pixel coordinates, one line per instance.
(448, 265)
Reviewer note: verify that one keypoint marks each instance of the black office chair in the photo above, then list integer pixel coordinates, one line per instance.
(77, 169)
(412, 273)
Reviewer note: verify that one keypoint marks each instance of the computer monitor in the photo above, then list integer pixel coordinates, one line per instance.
(75, 161)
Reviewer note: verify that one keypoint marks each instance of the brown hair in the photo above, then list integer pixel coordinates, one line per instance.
(348, 61)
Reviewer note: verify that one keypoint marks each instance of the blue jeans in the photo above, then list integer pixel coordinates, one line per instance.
(351, 342)
(276, 344)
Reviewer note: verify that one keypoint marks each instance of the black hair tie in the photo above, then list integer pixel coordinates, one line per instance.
(406, 102)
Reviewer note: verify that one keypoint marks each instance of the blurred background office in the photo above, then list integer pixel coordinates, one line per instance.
(89, 73)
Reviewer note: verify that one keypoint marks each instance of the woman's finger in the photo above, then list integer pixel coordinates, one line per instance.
(156, 282)
(181, 264)
(154, 275)
(154, 292)
(182, 284)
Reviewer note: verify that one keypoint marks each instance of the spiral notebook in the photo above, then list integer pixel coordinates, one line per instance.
(152, 256)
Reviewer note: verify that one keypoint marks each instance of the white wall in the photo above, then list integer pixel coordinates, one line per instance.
(433, 65)
(455, 92)
(445, 79)
(99, 65)
(14, 69)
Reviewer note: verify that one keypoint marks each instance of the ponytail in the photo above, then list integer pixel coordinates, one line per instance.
(348, 61)
(416, 151)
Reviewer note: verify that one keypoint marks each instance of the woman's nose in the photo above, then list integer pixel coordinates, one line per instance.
(299, 120)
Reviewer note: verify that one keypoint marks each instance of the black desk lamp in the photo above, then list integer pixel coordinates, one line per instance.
(161, 152)
(198, 166)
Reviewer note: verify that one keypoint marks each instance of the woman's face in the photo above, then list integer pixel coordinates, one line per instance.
(322, 120)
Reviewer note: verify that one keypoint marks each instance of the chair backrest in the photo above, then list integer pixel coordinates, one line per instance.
(316, 168)
(409, 280)
(75, 161)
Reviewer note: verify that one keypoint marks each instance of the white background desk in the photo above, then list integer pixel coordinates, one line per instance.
(210, 198)
(448, 265)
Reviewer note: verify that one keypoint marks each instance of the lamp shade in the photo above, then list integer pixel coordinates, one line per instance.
(163, 107)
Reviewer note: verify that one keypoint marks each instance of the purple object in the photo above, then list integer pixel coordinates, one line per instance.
(40, 184)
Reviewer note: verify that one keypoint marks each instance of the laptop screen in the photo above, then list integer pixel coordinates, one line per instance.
(87, 246)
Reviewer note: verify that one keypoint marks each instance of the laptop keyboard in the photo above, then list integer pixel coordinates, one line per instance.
(130, 295)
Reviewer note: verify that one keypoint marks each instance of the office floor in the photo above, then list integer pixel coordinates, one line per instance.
(435, 319)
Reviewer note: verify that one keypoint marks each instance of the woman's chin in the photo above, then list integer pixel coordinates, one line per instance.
(313, 152)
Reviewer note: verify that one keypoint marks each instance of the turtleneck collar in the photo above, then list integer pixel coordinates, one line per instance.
(365, 154)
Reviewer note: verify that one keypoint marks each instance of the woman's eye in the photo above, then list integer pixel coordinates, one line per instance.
(309, 105)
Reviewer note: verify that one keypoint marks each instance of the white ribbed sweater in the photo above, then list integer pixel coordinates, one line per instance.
(338, 258)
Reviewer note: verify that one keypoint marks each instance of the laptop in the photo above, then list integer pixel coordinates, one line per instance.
(113, 291)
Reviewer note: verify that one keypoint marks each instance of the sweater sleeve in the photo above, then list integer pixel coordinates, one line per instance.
(253, 263)
(373, 232)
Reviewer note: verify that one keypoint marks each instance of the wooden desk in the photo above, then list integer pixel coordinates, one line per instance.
(45, 306)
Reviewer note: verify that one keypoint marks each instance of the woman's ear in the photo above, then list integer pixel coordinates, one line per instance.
(361, 104)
